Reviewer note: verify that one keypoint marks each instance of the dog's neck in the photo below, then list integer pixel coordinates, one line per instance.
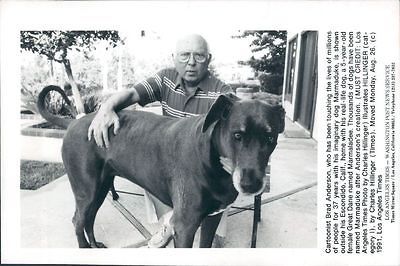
(212, 148)
(220, 190)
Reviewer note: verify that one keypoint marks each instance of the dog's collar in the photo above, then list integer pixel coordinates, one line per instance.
(227, 164)
(220, 210)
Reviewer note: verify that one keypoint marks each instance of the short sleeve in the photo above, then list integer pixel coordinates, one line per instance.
(149, 90)
(226, 89)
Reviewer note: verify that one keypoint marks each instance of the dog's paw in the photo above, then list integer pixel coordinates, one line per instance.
(98, 245)
(115, 196)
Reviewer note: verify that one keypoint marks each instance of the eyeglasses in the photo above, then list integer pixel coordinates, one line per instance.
(184, 57)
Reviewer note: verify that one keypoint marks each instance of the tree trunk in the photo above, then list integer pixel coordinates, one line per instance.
(119, 71)
(52, 71)
(104, 69)
(75, 91)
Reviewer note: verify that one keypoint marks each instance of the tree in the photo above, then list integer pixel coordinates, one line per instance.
(270, 66)
(56, 44)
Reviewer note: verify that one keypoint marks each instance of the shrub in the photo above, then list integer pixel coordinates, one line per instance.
(271, 83)
(37, 72)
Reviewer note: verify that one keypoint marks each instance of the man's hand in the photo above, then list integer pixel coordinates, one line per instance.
(103, 120)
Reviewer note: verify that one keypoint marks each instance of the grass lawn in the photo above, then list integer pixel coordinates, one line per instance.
(35, 174)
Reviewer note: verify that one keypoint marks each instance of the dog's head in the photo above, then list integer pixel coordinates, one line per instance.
(247, 134)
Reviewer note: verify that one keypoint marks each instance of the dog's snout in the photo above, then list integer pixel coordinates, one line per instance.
(250, 181)
(247, 172)
(252, 174)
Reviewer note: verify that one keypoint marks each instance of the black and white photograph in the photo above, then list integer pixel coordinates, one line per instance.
(199, 133)
(230, 184)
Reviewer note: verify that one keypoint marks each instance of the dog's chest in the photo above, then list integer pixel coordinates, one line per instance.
(220, 205)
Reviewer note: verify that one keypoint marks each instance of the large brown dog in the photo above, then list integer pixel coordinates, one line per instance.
(177, 160)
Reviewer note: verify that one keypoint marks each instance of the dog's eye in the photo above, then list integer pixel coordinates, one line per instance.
(237, 136)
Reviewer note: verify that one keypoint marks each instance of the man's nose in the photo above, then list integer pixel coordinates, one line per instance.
(191, 61)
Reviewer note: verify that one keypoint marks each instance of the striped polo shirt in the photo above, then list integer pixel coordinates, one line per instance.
(167, 87)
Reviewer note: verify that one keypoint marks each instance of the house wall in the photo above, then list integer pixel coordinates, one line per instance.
(290, 106)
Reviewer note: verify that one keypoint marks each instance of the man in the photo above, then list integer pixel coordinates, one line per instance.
(186, 90)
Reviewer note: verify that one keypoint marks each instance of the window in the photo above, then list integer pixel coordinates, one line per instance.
(290, 70)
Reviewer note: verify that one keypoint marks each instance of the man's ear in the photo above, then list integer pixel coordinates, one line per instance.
(219, 110)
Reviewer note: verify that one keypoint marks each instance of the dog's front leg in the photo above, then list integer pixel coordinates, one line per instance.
(184, 230)
(208, 228)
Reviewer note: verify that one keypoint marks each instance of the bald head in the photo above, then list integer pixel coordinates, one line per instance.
(192, 41)
(192, 58)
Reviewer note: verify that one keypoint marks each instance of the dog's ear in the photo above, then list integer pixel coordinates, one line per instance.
(220, 109)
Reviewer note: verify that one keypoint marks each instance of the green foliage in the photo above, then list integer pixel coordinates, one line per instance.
(270, 66)
(87, 72)
(56, 105)
(128, 67)
(271, 83)
(55, 44)
(92, 102)
(35, 74)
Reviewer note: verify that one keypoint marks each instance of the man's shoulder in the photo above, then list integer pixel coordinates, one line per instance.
(217, 85)
(169, 72)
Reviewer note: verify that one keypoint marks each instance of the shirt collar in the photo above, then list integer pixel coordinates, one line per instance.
(204, 85)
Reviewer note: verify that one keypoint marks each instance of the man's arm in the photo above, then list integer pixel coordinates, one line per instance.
(122, 99)
(143, 93)
(107, 116)
(226, 89)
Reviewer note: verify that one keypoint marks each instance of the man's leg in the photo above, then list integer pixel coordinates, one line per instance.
(220, 235)
(156, 210)
(160, 208)
(150, 208)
